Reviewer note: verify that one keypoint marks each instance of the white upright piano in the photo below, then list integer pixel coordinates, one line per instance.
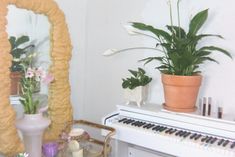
(173, 134)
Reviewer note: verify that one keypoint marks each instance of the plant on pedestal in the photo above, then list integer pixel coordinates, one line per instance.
(135, 87)
(33, 124)
(180, 58)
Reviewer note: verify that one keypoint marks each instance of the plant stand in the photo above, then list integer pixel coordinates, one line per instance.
(94, 147)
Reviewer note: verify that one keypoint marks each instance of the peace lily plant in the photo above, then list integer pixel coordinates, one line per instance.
(179, 55)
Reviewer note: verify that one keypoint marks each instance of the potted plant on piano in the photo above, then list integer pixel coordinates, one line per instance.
(180, 57)
(136, 86)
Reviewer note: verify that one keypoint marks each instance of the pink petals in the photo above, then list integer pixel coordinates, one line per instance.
(39, 75)
(48, 79)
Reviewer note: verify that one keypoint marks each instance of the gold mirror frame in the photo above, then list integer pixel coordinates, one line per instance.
(60, 109)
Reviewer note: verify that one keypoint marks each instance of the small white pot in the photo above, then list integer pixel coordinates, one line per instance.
(137, 95)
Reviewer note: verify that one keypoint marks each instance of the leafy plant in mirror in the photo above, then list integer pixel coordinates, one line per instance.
(180, 53)
(138, 78)
(19, 48)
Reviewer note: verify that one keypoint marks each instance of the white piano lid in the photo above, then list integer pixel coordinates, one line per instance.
(151, 109)
(194, 118)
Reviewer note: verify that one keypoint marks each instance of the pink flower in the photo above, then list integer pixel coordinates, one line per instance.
(48, 79)
(39, 73)
(29, 73)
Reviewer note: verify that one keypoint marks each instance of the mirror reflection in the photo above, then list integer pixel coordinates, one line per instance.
(29, 35)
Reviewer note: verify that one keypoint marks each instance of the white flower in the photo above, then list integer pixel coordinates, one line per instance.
(110, 52)
(131, 30)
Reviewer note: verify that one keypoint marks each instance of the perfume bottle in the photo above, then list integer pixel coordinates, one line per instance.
(204, 106)
(209, 106)
(220, 112)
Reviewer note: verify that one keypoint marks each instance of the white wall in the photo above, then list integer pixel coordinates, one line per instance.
(104, 30)
(96, 25)
(103, 75)
(75, 12)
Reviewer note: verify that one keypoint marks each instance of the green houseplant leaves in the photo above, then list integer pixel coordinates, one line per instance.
(18, 49)
(181, 55)
(138, 78)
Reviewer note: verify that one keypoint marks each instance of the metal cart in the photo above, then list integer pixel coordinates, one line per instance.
(94, 147)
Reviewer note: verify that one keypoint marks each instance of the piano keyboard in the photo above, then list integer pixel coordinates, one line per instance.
(174, 140)
(180, 134)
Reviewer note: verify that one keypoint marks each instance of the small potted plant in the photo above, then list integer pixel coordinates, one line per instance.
(180, 58)
(19, 48)
(135, 87)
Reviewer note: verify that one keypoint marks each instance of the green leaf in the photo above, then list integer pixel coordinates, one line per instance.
(202, 53)
(12, 41)
(141, 71)
(197, 22)
(177, 31)
(150, 59)
(208, 59)
(124, 83)
(21, 40)
(139, 79)
(157, 32)
(208, 35)
(214, 48)
(133, 72)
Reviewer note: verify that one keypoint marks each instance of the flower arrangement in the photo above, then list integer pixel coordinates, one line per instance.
(31, 77)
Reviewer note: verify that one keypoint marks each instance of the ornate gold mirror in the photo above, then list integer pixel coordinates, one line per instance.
(60, 110)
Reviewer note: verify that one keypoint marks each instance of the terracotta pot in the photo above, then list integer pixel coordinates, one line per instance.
(15, 83)
(181, 92)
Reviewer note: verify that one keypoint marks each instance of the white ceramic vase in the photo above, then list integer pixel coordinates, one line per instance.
(32, 127)
(137, 95)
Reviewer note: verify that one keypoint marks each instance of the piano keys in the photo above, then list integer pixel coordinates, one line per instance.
(177, 134)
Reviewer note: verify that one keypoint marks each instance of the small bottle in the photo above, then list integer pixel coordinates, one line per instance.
(204, 106)
(220, 112)
(200, 106)
(209, 106)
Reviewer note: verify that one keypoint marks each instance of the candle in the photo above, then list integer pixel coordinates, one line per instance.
(50, 149)
(78, 153)
(75, 149)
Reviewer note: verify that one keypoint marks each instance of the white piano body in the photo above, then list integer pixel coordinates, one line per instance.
(175, 134)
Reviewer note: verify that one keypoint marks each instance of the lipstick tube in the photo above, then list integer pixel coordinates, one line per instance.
(209, 106)
(204, 106)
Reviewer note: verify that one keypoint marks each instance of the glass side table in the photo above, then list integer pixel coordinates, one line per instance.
(91, 146)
